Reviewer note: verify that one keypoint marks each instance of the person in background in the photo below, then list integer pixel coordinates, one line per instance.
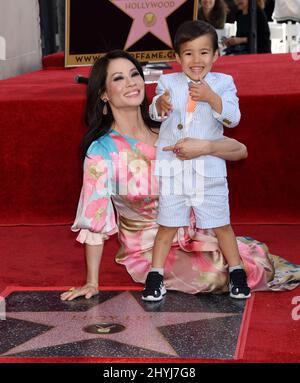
(269, 9)
(232, 11)
(61, 4)
(285, 11)
(213, 12)
(240, 44)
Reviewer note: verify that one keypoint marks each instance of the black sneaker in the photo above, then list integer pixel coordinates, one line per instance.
(238, 286)
(154, 289)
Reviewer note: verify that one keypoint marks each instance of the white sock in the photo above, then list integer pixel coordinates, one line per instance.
(160, 270)
(238, 267)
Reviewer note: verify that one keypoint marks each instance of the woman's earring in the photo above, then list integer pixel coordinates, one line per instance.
(104, 110)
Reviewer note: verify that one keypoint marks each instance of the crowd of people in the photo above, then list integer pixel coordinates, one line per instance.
(219, 12)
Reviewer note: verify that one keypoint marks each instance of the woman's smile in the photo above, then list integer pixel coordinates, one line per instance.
(132, 93)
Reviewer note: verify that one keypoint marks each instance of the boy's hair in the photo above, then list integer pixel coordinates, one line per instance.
(190, 30)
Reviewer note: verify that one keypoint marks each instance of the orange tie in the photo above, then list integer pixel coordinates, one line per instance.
(191, 105)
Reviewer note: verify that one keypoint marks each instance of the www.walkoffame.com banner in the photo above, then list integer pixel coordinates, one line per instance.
(144, 28)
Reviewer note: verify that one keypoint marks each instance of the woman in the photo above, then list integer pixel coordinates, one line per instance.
(240, 44)
(120, 194)
(232, 10)
(269, 9)
(213, 12)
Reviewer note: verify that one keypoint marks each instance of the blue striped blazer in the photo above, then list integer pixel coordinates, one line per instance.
(206, 123)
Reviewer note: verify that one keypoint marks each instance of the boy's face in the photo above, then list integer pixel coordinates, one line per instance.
(196, 57)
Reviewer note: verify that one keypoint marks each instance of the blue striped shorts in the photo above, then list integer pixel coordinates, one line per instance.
(208, 199)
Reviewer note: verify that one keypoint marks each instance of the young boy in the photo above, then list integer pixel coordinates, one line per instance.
(194, 103)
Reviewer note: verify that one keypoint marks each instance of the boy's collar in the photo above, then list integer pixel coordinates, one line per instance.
(195, 82)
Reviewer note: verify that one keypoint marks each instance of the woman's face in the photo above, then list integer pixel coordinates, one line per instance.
(242, 4)
(125, 86)
(208, 4)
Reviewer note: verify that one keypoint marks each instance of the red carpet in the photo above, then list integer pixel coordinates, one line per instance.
(49, 256)
(41, 125)
(40, 256)
(273, 335)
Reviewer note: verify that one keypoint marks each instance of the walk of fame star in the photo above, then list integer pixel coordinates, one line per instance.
(145, 329)
(148, 16)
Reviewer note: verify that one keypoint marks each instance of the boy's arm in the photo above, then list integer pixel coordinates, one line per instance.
(160, 90)
(229, 114)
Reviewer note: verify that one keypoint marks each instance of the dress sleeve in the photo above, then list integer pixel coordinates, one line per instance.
(95, 218)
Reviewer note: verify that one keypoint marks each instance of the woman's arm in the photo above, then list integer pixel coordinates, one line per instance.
(229, 149)
(93, 255)
(95, 219)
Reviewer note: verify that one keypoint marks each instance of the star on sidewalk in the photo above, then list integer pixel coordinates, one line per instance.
(148, 19)
(142, 327)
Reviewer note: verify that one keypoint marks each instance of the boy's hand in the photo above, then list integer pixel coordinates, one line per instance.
(201, 91)
(163, 104)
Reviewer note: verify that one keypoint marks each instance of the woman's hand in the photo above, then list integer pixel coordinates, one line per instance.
(88, 291)
(228, 148)
(188, 148)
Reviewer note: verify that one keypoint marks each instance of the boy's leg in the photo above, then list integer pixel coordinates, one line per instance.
(154, 288)
(238, 286)
(213, 213)
(162, 245)
(228, 245)
(173, 213)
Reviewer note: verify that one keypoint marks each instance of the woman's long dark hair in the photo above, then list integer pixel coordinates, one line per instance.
(98, 124)
(219, 11)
